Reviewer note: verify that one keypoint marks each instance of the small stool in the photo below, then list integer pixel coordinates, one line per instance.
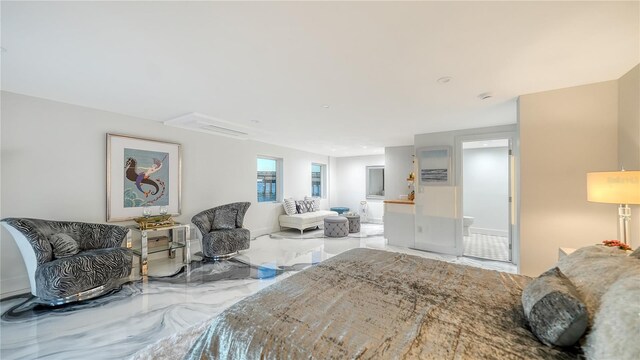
(354, 223)
(339, 209)
(336, 226)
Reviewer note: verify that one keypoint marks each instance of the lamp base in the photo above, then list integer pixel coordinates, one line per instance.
(624, 216)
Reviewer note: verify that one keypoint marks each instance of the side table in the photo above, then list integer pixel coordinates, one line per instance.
(564, 251)
(178, 238)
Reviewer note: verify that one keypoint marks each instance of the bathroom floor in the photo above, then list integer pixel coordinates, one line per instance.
(487, 246)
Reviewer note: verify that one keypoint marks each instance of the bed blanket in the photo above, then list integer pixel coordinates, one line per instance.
(372, 304)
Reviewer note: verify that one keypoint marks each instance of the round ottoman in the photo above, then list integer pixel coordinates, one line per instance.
(340, 209)
(336, 226)
(354, 223)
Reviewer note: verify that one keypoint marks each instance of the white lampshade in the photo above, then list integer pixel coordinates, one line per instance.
(614, 187)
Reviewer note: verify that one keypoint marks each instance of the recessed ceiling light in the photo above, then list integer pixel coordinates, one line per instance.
(326, 106)
(485, 96)
(364, 146)
(334, 150)
(445, 79)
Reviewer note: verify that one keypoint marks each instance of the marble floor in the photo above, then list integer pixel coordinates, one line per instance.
(145, 311)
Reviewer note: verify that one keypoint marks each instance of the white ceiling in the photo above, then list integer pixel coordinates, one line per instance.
(374, 63)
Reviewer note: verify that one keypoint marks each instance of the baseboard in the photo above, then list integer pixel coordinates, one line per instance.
(488, 231)
(14, 286)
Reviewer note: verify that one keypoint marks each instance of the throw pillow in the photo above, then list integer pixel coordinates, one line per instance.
(316, 203)
(63, 245)
(308, 205)
(289, 206)
(300, 207)
(224, 219)
(554, 310)
(614, 334)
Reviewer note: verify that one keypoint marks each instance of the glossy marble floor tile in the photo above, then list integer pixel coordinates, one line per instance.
(144, 311)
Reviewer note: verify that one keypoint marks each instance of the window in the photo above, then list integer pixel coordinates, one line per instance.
(318, 180)
(375, 182)
(269, 179)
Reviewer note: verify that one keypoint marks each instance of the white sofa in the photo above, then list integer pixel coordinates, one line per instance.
(306, 220)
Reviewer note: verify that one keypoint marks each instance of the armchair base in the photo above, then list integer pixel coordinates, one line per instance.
(85, 295)
(222, 257)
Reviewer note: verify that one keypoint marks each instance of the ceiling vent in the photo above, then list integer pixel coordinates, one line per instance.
(210, 125)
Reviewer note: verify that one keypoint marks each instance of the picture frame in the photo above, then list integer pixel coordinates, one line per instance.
(142, 174)
(434, 164)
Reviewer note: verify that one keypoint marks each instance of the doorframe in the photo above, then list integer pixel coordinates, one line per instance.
(513, 231)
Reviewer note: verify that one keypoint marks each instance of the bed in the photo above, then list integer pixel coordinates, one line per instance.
(376, 304)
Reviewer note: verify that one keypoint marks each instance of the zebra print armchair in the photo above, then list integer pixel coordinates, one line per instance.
(96, 264)
(222, 232)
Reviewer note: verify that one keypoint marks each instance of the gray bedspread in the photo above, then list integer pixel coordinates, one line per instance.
(374, 304)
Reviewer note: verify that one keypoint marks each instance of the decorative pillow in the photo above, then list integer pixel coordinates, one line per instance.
(316, 202)
(300, 207)
(63, 245)
(308, 205)
(554, 310)
(593, 269)
(289, 206)
(224, 219)
(615, 330)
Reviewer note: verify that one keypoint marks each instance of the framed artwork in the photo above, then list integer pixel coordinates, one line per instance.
(435, 165)
(142, 173)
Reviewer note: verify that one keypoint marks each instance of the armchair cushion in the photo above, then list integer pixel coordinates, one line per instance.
(88, 269)
(224, 219)
(63, 245)
(223, 242)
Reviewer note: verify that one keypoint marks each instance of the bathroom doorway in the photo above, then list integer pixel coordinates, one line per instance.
(487, 198)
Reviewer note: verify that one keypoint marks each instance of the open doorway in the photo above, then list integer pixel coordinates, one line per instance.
(486, 199)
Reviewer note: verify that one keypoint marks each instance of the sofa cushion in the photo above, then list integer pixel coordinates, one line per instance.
(224, 242)
(88, 269)
(554, 310)
(301, 220)
(63, 245)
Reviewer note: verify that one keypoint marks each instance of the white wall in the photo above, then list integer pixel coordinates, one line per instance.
(564, 134)
(351, 184)
(53, 167)
(486, 189)
(398, 165)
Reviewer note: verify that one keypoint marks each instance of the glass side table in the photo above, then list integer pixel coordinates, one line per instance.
(178, 239)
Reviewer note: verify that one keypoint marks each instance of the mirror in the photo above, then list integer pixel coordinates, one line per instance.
(375, 182)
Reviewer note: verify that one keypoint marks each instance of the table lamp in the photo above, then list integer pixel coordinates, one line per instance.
(616, 187)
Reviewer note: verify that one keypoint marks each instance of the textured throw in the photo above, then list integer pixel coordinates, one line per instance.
(376, 304)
